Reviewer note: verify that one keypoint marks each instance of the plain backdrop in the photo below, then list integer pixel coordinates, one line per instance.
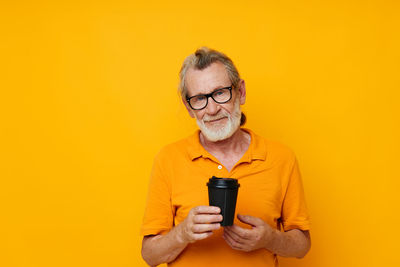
(89, 95)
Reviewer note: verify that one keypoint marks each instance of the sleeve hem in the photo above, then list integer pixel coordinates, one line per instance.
(154, 231)
(304, 226)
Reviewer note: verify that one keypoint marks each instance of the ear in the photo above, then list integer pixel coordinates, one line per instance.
(242, 92)
(188, 107)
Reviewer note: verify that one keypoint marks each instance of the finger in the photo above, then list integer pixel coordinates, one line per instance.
(205, 218)
(231, 242)
(235, 237)
(239, 231)
(202, 228)
(247, 219)
(206, 210)
(202, 235)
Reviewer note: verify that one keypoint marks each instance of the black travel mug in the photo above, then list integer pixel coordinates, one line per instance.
(222, 193)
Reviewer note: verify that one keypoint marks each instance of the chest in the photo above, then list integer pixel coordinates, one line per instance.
(228, 161)
(260, 193)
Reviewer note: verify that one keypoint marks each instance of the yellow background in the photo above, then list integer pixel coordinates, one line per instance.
(88, 96)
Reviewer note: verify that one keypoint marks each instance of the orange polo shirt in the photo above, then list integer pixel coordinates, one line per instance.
(270, 188)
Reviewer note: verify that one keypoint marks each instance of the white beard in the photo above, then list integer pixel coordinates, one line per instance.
(225, 131)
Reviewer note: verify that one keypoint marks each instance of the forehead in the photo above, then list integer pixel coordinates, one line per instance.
(206, 80)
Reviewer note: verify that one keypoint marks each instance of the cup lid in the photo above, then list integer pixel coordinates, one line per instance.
(223, 182)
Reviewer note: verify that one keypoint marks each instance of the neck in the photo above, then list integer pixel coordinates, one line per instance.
(239, 140)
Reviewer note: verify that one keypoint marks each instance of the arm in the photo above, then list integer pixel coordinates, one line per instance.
(199, 224)
(293, 243)
(159, 249)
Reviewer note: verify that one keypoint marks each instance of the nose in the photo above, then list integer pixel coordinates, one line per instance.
(212, 107)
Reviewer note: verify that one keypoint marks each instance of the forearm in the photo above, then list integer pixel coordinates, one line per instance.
(293, 243)
(163, 248)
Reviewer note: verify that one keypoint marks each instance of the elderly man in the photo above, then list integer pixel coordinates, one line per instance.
(179, 228)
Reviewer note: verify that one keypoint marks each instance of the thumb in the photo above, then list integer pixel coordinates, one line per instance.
(247, 219)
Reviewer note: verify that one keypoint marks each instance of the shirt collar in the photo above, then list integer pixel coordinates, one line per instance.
(256, 151)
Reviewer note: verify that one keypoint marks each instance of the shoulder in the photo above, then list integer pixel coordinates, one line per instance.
(176, 150)
(275, 151)
(278, 149)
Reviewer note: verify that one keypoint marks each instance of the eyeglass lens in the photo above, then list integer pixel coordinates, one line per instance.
(219, 96)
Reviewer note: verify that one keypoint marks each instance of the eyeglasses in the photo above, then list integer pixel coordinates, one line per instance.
(219, 96)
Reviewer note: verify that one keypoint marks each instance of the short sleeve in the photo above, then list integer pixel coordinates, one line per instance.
(294, 209)
(158, 216)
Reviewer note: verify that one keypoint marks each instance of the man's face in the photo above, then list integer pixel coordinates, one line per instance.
(216, 121)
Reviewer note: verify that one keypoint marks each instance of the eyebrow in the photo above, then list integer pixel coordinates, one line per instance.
(215, 89)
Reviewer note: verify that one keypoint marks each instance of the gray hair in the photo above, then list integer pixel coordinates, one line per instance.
(201, 59)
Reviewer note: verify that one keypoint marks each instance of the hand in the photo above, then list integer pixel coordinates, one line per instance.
(200, 223)
(248, 239)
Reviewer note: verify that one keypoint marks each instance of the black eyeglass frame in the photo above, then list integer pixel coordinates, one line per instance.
(211, 95)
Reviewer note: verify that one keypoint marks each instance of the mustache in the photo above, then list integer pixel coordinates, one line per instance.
(207, 118)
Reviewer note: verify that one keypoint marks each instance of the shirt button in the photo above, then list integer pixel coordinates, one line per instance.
(219, 167)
